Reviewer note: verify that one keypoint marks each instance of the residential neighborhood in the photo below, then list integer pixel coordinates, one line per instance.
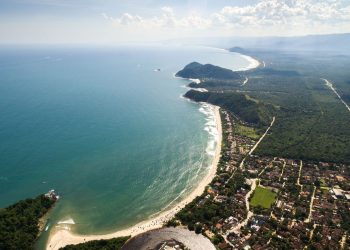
(270, 202)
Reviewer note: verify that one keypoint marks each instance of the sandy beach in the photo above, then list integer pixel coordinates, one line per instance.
(61, 236)
(253, 63)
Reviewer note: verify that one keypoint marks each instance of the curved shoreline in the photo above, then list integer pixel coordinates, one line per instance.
(253, 63)
(61, 237)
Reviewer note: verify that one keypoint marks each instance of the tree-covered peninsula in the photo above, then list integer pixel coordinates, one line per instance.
(19, 223)
(196, 70)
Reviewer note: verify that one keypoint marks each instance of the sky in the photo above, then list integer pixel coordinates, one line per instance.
(122, 21)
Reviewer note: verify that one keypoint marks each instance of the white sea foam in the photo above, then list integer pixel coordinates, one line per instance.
(210, 127)
(186, 99)
(200, 89)
(69, 221)
(195, 80)
(210, 123)
(175, 199)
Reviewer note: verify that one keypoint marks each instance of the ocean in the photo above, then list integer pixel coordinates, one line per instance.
(105, 128)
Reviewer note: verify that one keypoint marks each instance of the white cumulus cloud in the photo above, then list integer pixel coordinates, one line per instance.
(266, 14)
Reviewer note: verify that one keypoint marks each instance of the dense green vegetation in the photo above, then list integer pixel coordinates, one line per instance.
(19, 223)
(247, 131)
(199, 71)
(250, 111)
(209, 212)
(311, 122)
(112, 244)
(263, 197)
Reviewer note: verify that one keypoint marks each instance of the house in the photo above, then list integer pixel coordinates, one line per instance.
(340, 178)
(338, 192)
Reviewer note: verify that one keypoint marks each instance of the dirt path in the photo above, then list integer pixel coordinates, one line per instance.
(312, 231)
(284, 165)
(330, 85)
(298, 180)
(245, 81)
(307, 220)
(262, 171)
(343, 241)
(262, 137)
(237, 228)
(253, 148)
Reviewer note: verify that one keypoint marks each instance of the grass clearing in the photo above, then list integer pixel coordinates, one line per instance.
(263, 197)
(322, 182)
(247, 131)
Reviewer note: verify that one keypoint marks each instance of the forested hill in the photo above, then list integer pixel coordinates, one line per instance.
(19, 223)
(196, 70)
(247, 109)
(312, 123)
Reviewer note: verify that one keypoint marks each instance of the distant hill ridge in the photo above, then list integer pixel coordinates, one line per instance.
(196, 70)
(330, 43)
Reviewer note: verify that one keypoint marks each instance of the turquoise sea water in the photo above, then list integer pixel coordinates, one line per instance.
(105, 130)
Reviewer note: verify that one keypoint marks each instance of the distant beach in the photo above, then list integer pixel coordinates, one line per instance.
(253, 63)
(62, 236)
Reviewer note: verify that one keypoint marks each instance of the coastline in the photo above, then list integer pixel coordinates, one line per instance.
(60, 237)
(253, 63)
